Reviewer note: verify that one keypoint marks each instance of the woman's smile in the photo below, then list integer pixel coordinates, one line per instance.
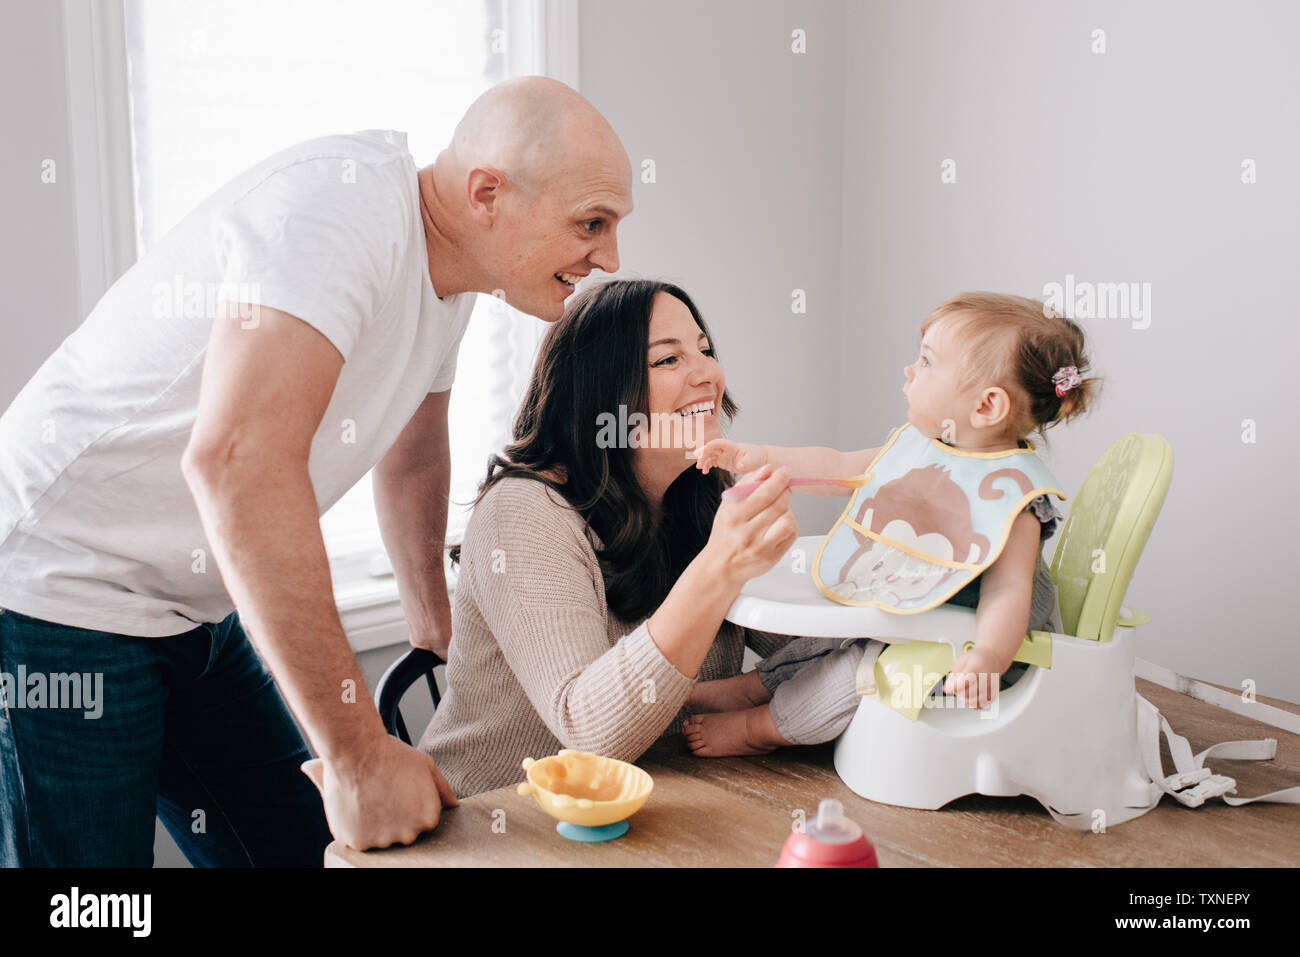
(705, 408)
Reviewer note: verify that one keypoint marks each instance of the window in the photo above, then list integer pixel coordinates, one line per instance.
(217, 85)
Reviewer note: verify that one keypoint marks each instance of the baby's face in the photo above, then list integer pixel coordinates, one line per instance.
(935, 399)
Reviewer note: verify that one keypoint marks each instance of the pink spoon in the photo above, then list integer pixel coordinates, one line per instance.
(742, 490)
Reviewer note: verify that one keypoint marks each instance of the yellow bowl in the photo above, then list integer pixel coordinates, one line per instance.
(586, 789)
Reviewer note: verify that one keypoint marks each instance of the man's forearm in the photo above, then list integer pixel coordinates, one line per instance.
(411, 505)
(262, 520)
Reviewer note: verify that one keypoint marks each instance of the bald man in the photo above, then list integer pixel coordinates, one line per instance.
(170, 463)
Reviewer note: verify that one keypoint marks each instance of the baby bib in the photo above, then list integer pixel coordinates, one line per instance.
(928, 520)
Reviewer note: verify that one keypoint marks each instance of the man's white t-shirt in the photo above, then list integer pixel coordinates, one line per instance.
(98, 528)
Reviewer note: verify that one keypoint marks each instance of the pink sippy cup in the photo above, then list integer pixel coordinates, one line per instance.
(832, 840)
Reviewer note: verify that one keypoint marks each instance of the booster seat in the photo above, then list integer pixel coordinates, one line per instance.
(1072, 731)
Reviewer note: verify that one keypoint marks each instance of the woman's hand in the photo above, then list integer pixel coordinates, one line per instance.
(732, 456)
(751, 534)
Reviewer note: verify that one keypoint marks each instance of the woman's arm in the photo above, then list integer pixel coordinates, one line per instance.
(747, 538)
(536, 584)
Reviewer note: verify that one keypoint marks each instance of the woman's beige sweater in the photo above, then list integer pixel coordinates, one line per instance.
(537, 661)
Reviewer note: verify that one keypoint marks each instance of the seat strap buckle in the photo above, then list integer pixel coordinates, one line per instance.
(1214, 785)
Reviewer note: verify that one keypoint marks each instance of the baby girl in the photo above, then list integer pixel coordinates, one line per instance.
(992, 369)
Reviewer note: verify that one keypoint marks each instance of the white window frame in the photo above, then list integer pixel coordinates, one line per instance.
(99, 133)
(99, 127)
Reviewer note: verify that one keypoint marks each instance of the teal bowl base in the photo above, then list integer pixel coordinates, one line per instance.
(591, 835)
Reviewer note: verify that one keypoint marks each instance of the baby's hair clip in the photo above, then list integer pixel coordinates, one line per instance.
(1066, 378)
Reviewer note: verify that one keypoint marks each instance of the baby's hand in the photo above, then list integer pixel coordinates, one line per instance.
(975, 677)
(738, 457)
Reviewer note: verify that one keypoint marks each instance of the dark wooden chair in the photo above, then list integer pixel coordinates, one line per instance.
(397, 680)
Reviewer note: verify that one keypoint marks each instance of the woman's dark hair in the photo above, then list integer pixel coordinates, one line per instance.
(592, 360)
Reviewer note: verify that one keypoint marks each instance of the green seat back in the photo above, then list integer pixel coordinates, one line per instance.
(1105, 531)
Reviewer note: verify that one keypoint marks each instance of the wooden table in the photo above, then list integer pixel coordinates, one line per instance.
(737, 812)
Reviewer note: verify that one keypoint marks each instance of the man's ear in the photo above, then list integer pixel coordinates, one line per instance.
(483, 193)
(992, 408)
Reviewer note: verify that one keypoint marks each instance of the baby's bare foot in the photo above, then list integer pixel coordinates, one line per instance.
(731, 733)
(728, 694)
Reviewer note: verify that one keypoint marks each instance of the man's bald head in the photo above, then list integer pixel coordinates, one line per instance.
(527, 198)
(531, 128)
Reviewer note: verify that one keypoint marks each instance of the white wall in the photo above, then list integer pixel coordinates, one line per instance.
(745, 136)
(1123, 166)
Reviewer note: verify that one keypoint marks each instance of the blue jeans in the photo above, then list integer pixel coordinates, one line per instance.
(191, 728)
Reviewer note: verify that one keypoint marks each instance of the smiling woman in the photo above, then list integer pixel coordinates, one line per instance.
(574, 541)
(620, 488)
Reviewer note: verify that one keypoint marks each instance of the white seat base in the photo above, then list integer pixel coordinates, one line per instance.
(1065, 735)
